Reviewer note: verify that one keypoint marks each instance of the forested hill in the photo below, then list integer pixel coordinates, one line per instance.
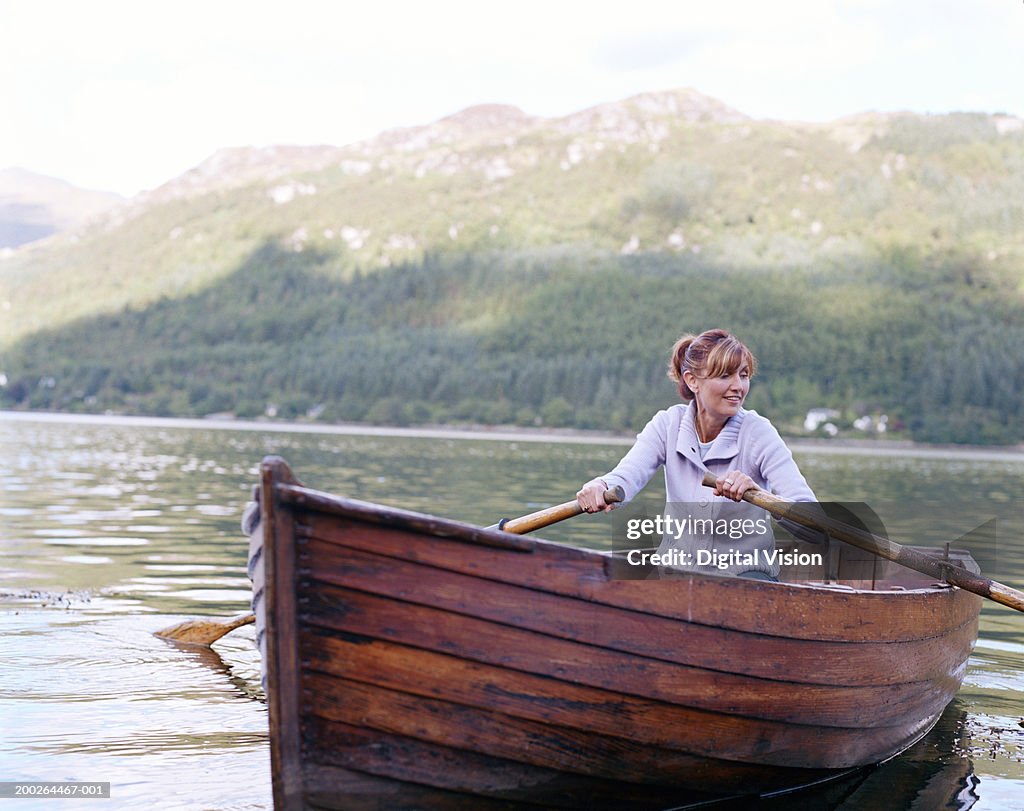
(497, 268)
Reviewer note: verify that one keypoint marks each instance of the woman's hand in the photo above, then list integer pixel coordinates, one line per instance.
(591, 496)
(733, 485)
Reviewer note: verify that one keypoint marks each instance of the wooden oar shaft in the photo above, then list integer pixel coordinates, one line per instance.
(883, 547)
(552, 515)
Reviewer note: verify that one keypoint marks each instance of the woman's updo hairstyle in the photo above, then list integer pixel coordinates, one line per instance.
(710, 354)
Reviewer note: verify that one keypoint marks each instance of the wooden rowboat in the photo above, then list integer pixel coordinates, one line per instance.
(416, 662)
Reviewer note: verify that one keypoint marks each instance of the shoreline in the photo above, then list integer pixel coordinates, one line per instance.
(508, 433)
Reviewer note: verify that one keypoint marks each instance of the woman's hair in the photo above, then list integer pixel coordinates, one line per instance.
(710, 354)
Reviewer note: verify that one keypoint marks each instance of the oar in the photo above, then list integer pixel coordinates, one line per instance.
(203, 632)
(206, 631)
(883, 547)
(552, 515)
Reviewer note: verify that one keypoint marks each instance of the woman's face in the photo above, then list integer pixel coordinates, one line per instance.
(721, 397)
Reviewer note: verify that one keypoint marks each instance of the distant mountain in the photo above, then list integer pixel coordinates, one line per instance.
(497, 266)
(670, 173)
(34, 206)
(479, 127)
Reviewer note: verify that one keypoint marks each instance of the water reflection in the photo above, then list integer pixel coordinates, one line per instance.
(109, 532)
(936, 773)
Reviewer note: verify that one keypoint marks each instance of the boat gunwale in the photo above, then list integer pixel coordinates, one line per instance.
(456, 530)
(845, 601)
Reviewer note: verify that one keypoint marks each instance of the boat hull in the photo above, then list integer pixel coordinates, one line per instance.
(423, 663)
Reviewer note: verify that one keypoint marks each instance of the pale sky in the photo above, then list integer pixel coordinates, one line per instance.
(127, 95)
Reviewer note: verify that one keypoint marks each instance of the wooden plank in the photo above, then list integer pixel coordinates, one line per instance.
(645, 635)
(283, 668)
(789, 610)
(425, 764)
(487, 642)
(588, 710)
(549, 746)
(340, 789)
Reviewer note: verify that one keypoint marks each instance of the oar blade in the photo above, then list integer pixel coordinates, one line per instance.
(201, 631)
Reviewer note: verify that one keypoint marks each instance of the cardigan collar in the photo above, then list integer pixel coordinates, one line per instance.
(724, 446)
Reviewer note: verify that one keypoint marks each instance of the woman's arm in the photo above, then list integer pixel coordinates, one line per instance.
(778, 468)
(635, 469)
(783, 477)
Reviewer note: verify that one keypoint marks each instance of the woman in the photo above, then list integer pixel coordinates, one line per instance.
(710, 431)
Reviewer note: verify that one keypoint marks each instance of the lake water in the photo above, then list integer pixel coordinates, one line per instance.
(111, 529)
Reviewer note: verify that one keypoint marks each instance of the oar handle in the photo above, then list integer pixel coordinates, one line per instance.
(883, 547)
(552, 515)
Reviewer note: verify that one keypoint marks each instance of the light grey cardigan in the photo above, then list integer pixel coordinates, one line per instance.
(749, 443)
